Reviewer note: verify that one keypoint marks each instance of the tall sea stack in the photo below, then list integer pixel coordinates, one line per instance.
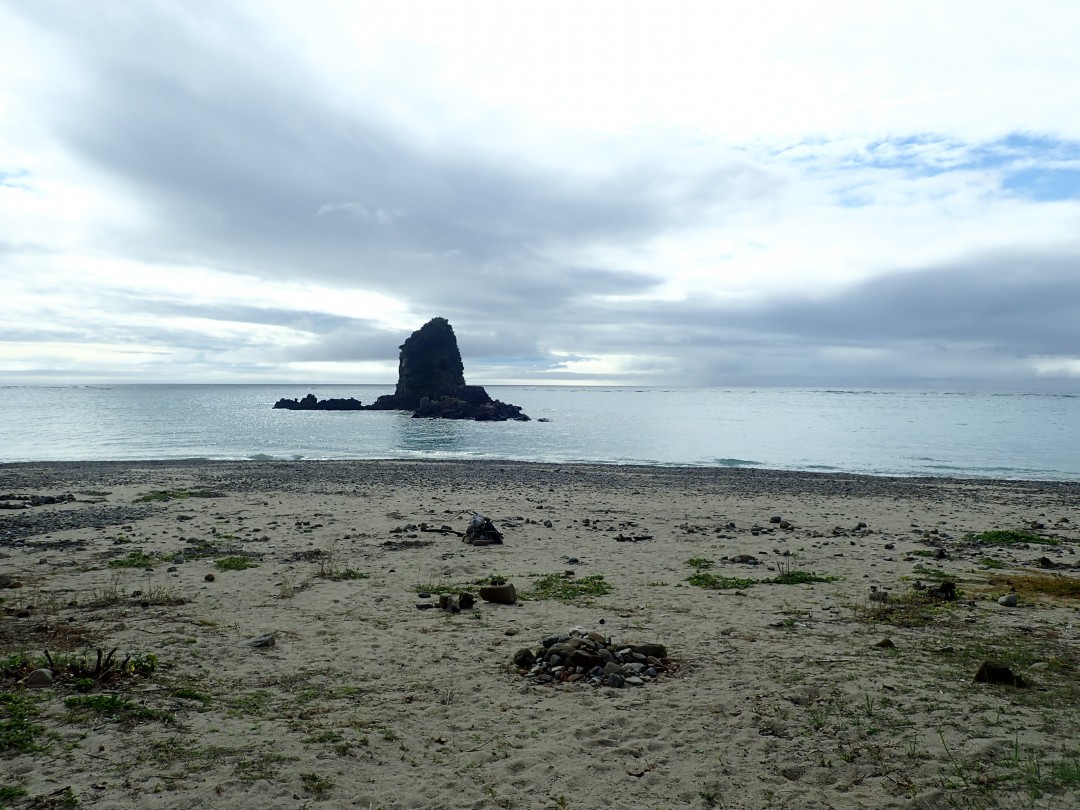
(431, 383)
(429, 367)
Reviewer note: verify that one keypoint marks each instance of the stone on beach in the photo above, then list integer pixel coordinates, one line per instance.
(503, 594)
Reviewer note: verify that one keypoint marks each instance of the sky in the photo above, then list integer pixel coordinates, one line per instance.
(754, 192)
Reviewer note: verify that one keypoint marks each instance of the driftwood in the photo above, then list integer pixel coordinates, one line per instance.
(441, 530)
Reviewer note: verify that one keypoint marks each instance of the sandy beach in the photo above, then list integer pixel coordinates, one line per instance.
(279, 641)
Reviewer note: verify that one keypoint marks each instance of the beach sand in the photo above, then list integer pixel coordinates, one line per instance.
(776, 695)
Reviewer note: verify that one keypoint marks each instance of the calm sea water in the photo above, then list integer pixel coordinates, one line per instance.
(1033, 436)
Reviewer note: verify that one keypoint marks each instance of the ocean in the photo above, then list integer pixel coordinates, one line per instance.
(907, 433)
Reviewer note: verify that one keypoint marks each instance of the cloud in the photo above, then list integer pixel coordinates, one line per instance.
(722, 196)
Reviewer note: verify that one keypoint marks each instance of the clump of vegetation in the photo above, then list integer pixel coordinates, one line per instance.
(793, 577)
(1009, 537)
(313, 783)
(568, 589)
(136, 559)
(452, 588)
(715, 582)
(441, 587)
(1052, 585)
(262, 766)
(9, 793)
(248, 703)
(932, 573)
(17, 732)
(117, 708)
(81, 672)
(352, 573)
(912, 609)
(177, 495)
(990, 562)
(789, 575)
(190, 693)
(330, 565)
(235, 563)
(200, 548)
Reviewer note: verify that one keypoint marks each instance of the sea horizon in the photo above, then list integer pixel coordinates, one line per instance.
(905, 432)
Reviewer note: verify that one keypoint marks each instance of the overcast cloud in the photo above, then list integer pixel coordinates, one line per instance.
(827, 194)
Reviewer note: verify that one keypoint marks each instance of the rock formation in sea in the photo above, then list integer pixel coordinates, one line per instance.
(431, 383)
(311, 403)
(429, 367)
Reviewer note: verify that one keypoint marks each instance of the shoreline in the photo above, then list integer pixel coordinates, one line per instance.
(722, 469)
(781, 694)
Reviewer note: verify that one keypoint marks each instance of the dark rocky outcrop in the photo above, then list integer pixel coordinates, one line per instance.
(468, 402)
(431, 384)
(311, 403)
(429, 367)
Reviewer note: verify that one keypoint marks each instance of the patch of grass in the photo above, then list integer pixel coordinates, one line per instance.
(17, 733)
(913, 609)
(330, 565)
(9, 793)
(799, 578)
(235, 563)
(1016, 654)
(254, 703)
(990, 562)
(263, 766)
(188, 693)
(1052, 585)
(136, 559)
(116, 708)
(441, 587)
(1009, 537)
(350, 573)
(160, 595)
(715, 582)
(1067, 773)
(156, 495)
(493, 579)
(451, 588)
(201, 548)
(922, 552)
(933, 573)
(17, 665)
(564, 589)
(313, 783)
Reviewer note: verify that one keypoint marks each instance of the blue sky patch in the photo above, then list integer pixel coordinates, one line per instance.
(1045, 184)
